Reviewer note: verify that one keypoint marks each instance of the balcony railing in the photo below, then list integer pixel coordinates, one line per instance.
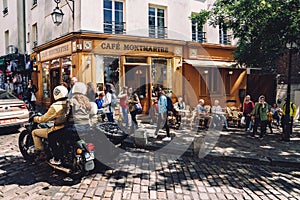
(114, 27)
(158, 32)
(201, 37)
(225, 39)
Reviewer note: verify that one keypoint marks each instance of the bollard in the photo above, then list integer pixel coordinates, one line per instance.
(140, 137)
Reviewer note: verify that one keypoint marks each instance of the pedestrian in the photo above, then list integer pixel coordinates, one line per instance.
(73, 81)
(260, 114)
(9, 86)
(247, 112)
(286, 118)
(123, 96)
(270, 120)
(108, 108)
(29, 94)
(162, 120)
(276, 112)
(90, 92)
(133, 99)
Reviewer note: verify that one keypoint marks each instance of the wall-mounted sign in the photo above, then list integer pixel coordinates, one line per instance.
(56, 51)
(121, 47)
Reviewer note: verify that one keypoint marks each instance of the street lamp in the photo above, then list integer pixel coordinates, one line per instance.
(287, 130)
(57, 14)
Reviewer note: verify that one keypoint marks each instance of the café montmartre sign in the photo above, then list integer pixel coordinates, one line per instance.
(120, 46)
(56, 52)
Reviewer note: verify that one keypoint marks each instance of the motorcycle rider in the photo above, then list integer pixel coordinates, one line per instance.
(57, 112)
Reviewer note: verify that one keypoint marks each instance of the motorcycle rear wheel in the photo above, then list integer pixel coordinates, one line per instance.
(25, 142)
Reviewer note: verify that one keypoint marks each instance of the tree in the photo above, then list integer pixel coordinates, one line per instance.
(262, 27)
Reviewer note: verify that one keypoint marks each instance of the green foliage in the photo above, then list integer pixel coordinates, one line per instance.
(263, 27)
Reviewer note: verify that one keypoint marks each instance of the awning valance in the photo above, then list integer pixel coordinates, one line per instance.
(210, 63)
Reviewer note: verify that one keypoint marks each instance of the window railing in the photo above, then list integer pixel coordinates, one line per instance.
(158, 32)
(5, 11)
(114, 27)
(201, 37)
(225, 39)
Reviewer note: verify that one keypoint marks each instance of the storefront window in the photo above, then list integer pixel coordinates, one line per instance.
(111, 70)
(46, 80)
(162, 74)
(67, 69)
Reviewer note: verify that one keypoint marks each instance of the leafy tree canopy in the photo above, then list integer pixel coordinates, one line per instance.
(263, 27)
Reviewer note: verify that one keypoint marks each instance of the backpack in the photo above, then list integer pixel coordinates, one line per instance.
(169, 104)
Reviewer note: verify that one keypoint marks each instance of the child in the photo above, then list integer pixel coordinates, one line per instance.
(99, 101)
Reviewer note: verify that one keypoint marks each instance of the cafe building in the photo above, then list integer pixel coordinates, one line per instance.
(189, 69)
(137, 62)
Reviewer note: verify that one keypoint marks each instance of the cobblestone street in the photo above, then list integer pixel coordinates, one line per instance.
(185, 178)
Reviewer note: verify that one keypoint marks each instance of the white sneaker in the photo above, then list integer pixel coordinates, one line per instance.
(166, 139)
(54, 162)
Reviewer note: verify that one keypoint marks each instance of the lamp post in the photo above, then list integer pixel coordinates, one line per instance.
(57, 14)
(287, 130)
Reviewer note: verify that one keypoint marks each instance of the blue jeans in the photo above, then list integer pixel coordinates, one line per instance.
(125, 116)
(110, 117)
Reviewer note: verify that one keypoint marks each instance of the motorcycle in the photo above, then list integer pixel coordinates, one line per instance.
(77, 155)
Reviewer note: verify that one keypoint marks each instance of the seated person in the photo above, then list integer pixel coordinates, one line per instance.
(276, 114)
(179, 105)
(216, 110)
(202, 113)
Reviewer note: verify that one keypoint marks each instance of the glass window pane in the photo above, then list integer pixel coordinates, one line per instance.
(161, 22)
(151, 21)
(160, 12)
(118, 5)
(118, 17)
(107, 16)
(107, 4)
(151, 11)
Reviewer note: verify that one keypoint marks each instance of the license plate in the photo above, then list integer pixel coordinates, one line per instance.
(7, 121)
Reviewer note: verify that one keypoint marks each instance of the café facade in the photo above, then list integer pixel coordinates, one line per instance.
(137, 62)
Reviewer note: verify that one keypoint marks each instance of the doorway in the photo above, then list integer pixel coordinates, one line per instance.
(138, 77)
(54, 80)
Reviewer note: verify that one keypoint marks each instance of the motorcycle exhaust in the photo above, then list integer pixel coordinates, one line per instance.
(68, 171)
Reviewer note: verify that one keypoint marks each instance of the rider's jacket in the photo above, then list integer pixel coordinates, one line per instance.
(57, 112)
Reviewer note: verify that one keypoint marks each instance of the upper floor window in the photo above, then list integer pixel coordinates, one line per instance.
(34, 35)
(198, 34)
(113, 17)
(6, 39)
(5, 7)
(224, 37)
(157, 21)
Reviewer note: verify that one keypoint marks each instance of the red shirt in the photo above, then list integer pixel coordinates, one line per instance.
(248, 107)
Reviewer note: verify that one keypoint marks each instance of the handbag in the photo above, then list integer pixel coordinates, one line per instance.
(33, 97)
(138, 107)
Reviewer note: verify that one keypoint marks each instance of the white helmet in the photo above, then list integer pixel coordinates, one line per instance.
(79, 87)
(60, 92)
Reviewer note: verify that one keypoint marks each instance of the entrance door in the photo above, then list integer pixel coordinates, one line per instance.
(54, 80)
(138, 77)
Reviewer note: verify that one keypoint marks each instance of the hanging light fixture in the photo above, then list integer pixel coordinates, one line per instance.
(57, 14)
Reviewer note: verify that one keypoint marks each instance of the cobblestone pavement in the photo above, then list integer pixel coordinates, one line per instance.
(186, 178)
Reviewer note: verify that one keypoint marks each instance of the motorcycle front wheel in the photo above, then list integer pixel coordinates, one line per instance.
(26, 145)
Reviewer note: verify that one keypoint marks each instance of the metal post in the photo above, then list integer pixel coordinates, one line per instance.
(288, 125)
